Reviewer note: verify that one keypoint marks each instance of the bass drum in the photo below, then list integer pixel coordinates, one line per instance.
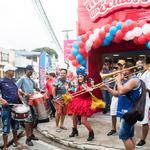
(39, 107)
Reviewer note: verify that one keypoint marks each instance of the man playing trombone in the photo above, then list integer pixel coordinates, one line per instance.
(129, 90)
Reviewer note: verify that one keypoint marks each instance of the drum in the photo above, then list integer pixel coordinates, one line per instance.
(38, 104)
(20, 112)
(46, 103)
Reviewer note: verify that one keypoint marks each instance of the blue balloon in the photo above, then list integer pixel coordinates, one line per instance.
(105, 42)
(113, 30)
(78, 39)
(148, 44)
(119, 25)
(129, 21)
(108, 37)
(83, 63)
(79, 57)
(75, 45)
(74, 51)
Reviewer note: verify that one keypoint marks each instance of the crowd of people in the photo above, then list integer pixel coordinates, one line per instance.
(121, 91)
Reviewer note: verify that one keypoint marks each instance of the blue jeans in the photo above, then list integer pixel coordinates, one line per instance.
(107, 98)
(7, 121)
(126, 130)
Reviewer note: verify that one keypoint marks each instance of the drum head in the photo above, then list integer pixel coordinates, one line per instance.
(20, 108)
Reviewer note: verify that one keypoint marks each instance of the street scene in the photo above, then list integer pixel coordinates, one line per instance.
(74, 75)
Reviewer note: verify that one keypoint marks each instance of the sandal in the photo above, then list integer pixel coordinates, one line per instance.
(19, 145)
(62, 127)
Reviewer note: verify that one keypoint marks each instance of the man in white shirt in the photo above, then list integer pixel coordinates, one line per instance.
(145, 76)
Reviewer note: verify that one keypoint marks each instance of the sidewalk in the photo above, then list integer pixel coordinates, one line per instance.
(101, 125)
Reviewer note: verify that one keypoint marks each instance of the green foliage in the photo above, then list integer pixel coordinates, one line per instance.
(48, 50)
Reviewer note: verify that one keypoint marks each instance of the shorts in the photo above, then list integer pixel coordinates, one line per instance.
(113, 106)
(146, 115)
(7, 121)
(126, 130)
(61, 108)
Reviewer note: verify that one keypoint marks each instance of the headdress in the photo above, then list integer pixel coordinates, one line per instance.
(81, 71)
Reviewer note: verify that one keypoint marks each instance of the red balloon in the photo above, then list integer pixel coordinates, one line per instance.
(81, 44)
(125, 28)
(107, 27)
(141, 23)
(147, 36)
(116, 40)
(75, 63)
(84, 38)
(97, 43)
(119, 34)
(142, 39)
(136, 40)
(81, 50)
(71, 57)
(102, 34)
(85, 55)
(132, 25)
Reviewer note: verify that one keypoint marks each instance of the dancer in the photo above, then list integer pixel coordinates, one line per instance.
(81, 105)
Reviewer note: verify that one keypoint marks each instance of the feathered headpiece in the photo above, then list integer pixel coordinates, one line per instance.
(81, 71)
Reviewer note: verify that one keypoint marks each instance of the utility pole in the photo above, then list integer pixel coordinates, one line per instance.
(67, 33)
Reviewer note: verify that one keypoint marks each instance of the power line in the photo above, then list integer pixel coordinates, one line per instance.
(42, 13)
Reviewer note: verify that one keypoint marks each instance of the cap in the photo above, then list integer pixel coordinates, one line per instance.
(9, 67)
(121, 61)
(29, 67)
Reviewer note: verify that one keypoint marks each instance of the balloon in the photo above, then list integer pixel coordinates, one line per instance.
(108, 37)
(132, 25)
(136, 40)
(81, 44)
(137, 31)
(81, 50)
(116, 40)
(74, 51)
(146, 28)
(148, 44)
(125, 28)
(107, 26)
(88, 45)
(114, 23)
(119, 34)
(71, 57)
(129, 21)
(79, 57)
(105, 43)
(83, 63)
(102, 34)
(97, 43)
(119, 25)
(75, 63)
(142, 39)
(129, 36)
(147, 36)
(113, 30)
(84, 38)
(97, 30)
(75, 45)
(92, 37)
(78, 39)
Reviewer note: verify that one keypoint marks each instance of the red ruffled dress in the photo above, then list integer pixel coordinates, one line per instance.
(81, 104)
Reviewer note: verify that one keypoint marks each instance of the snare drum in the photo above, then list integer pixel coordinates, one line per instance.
(20, 112)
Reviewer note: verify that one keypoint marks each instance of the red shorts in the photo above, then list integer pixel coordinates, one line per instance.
(60, 107)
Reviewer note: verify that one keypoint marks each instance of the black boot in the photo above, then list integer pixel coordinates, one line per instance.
(74, 132)
(91, 136)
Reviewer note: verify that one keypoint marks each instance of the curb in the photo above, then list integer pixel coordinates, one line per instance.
(72, 144)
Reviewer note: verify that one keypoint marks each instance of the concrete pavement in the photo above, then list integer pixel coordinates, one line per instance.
(101, 125)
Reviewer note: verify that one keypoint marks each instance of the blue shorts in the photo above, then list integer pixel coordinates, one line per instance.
(126, 130)
(8, 121)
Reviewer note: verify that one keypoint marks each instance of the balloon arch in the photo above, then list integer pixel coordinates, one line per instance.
(139, 32)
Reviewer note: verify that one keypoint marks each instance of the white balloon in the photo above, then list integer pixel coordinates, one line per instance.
(129, 35)
(137, 31)
(97, 30)
(92, 37)
(146, 28)
(88, 45)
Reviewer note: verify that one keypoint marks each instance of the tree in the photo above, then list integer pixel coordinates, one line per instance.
(48, 50)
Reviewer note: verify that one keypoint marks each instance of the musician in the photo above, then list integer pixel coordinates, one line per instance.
(81, 105)
(145, 76)
(61, 86)
(129, 87)
(10, 95)
(27, 86)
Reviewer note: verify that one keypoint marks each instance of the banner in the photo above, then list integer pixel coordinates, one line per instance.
(44, 67)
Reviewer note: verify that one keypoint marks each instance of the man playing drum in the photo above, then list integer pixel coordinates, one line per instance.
(9, 92)
(27, 85)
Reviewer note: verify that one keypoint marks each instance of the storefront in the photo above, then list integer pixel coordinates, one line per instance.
(110, 27)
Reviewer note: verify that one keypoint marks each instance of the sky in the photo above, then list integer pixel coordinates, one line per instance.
(22, 28)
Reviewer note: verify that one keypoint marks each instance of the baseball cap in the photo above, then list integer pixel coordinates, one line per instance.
(9, 67)
(121, 61)
(29, 67)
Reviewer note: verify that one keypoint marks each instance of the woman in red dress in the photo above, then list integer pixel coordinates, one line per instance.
(81, 105)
